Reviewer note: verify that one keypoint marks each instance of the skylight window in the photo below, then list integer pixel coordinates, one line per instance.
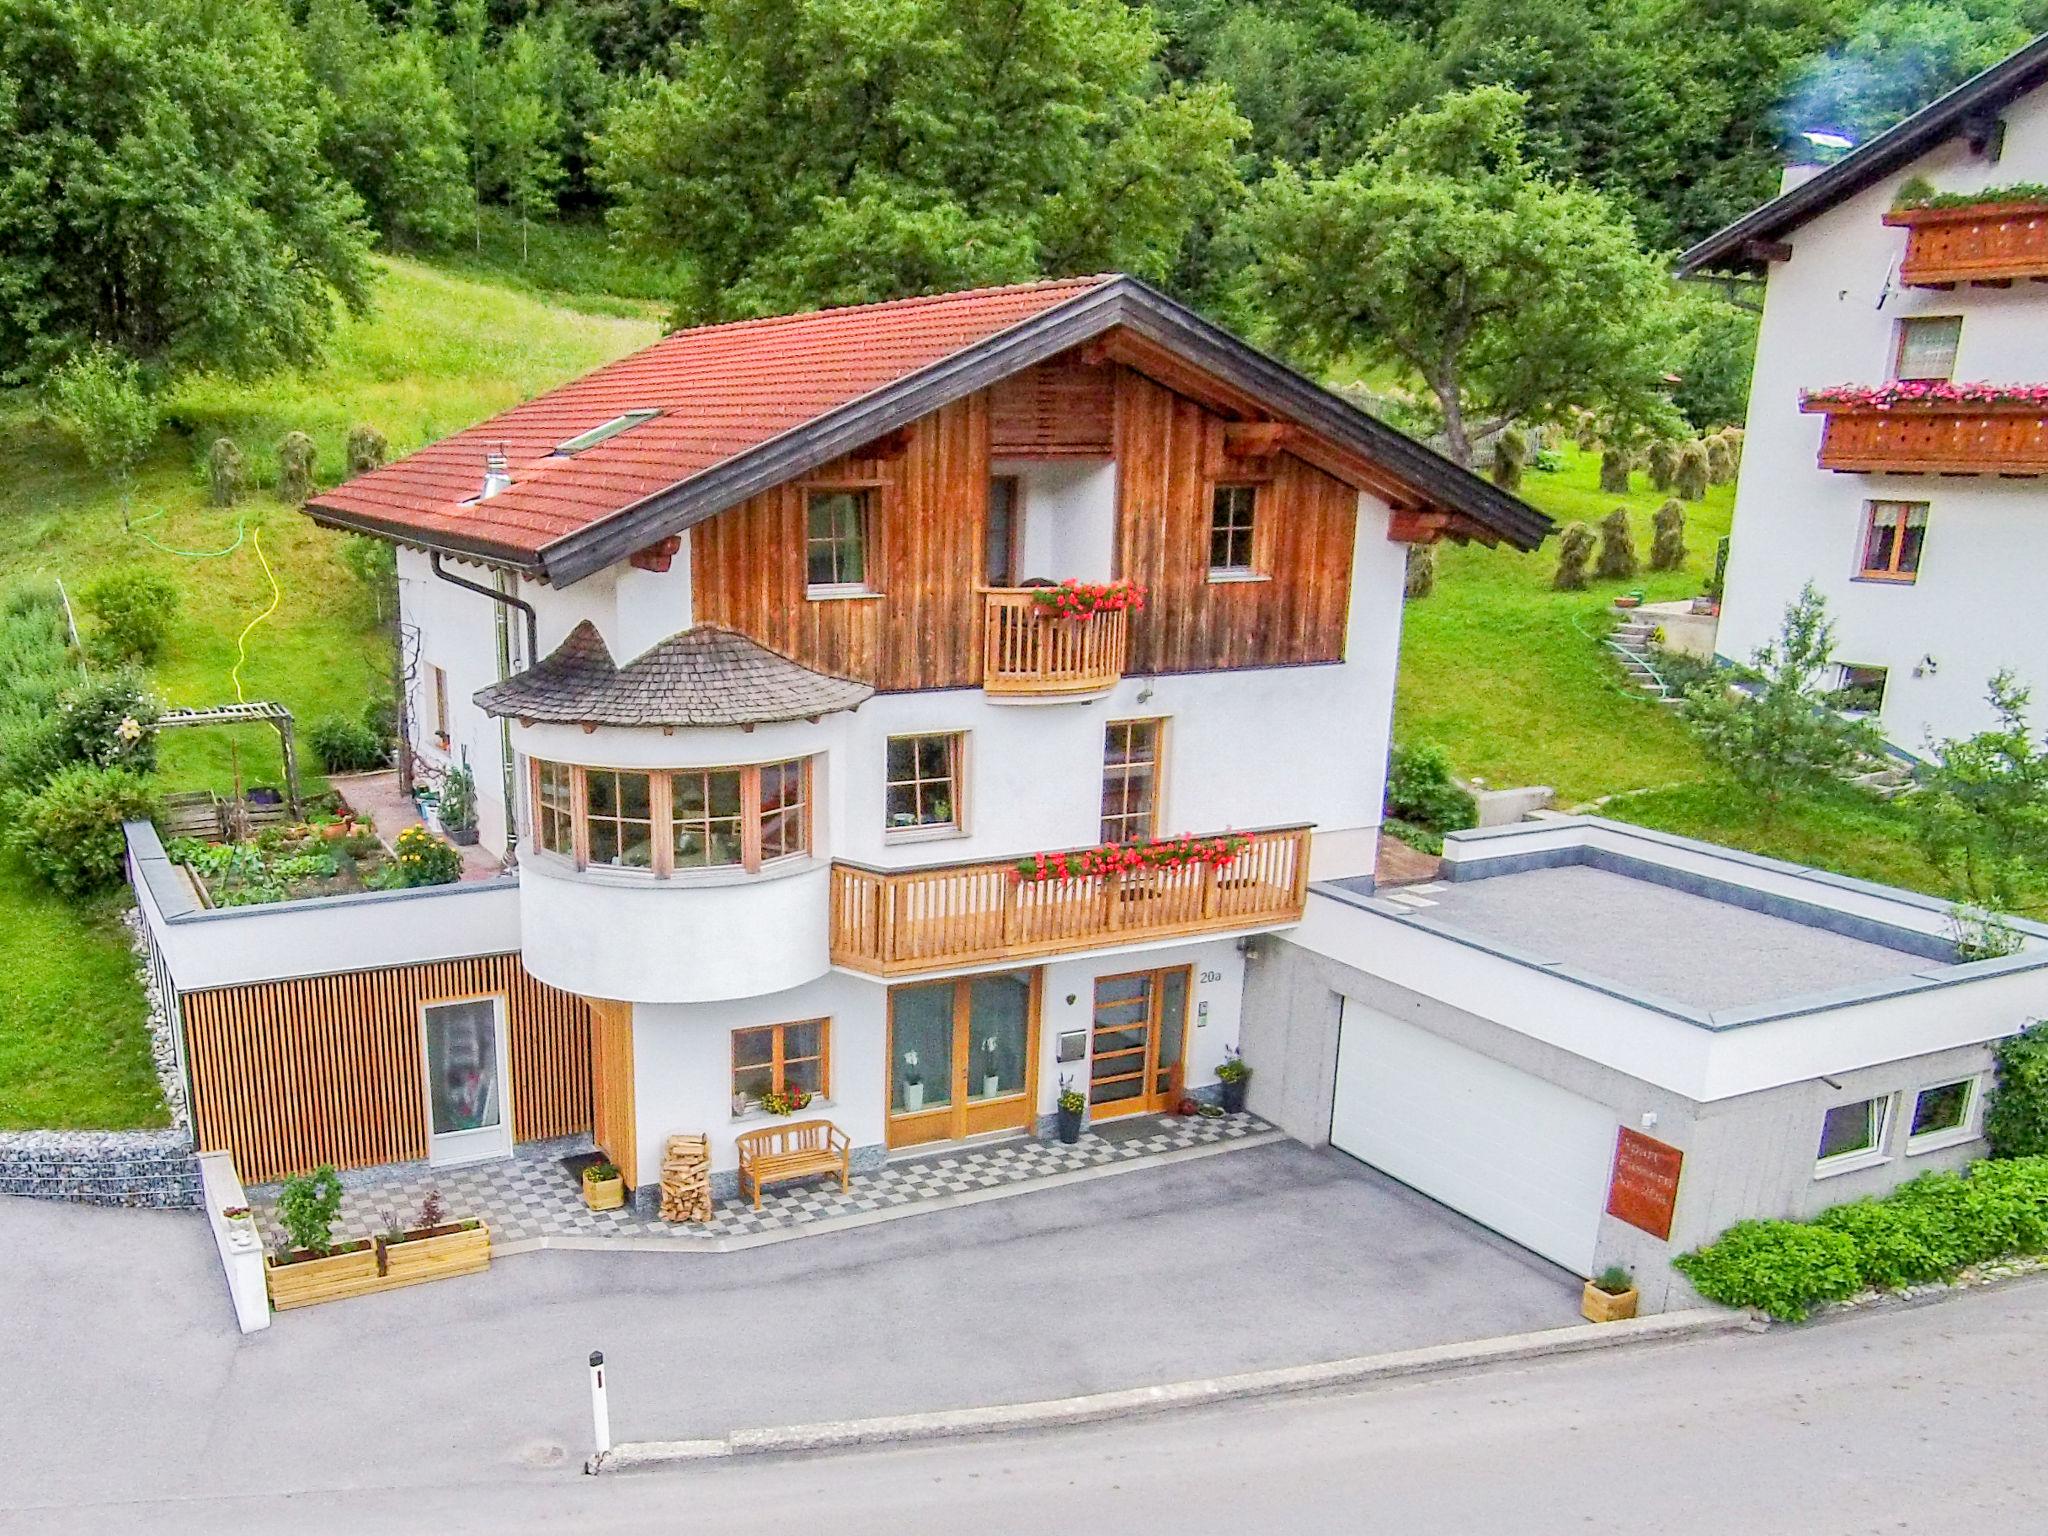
(609, 429)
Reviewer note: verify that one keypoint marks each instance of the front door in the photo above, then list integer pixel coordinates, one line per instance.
(469, 1107)
(963, 1057)
(1141, 1024)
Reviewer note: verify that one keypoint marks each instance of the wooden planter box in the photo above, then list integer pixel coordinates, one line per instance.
(604, 1194)
(1598, 1306)
(1982, 243)
(1933, 438)
(448, 1252)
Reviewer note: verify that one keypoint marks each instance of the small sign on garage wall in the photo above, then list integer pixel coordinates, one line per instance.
(1644, 1189)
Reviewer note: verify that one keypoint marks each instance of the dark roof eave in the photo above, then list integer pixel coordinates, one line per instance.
(1904, 142)
(490, 551)
(1121, 301)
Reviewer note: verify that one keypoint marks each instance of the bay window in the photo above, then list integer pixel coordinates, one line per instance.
(676, 821)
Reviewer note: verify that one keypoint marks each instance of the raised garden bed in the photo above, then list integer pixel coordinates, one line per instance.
(376, 1264)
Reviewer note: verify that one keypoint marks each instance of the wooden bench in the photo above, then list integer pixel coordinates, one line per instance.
(793, 1151)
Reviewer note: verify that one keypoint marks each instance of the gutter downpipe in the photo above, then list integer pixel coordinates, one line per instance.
(501, 596)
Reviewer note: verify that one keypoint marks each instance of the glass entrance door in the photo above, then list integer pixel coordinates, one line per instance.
(468, 1081)
(962, 1057)
(1140, 1036)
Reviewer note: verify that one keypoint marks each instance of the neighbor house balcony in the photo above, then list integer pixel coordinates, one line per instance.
(1035, 648)
(1975, 243)
(1945, 429)
(898, 922)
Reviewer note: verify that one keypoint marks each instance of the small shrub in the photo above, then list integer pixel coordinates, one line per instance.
(102, 398)
(1614, 1280)
(457, 805)
(366, 450)
(2016, 1115)
(433, 1211)
(2009, 1203)
(1422, 839)
(306, 1208)
(1667, 536)
(109, 720)
(1574, 556)
(1617, 559)
(344, 745)
(295, 456)
(1420, 790)
(1421, 578)
(133, 609)
(1781, 1268)
(227, 476)
(1614, 466)
(1690, 477)
(420, 858)
(69, 829)
(1510, 454)
(1896, 1242)
(1662, 461)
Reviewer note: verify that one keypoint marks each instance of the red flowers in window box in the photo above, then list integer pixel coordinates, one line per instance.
(1079, 599)
(1880, 397)
(1115, 858)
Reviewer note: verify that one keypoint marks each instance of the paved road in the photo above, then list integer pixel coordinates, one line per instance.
(1917, 1419)
(115, 1329)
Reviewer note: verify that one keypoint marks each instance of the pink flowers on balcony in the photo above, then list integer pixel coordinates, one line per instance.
(1879, 397)
(1079, 599)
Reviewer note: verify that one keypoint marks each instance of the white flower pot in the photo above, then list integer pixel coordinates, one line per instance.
(913, 1097)
(991, 1086)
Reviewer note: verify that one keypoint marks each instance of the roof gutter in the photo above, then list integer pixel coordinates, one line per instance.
(506, 598)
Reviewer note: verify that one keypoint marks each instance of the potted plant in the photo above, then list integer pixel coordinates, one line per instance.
(913, 1084)
(457, 806)
(1071, 1105)
(991, 1080)
(785, 1101)
(1609, 1296)
(604, 1188)
(1235, 1075)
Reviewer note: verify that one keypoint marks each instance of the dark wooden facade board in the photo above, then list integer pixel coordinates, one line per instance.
(1065, 408)
(924, 628)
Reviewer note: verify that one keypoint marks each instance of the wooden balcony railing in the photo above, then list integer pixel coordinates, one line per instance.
(1987, 243)
(895, 922)
(1029, 652)
(1934, 438)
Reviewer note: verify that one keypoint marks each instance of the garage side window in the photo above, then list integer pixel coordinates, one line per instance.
(1852, 1134)
(1943, 1115)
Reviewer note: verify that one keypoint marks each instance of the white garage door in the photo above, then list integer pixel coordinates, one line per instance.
(1511, 1151)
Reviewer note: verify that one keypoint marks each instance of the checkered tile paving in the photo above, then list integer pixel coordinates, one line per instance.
(532, 1195)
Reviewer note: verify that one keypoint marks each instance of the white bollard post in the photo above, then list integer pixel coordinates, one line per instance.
(600, 1411)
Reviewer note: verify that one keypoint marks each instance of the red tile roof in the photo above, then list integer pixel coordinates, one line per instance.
(720, 390)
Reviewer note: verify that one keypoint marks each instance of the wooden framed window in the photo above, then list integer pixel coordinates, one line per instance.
(619, 816)
(784, 809)
(1130, 780)
(554, 807)
(1860, 690)
(1000, 556)
(838, 534)
(440, 680)
(1927, 347)
(1233, 521)
(1893, 534)
(781, 1058)
(922, 782)
(708, 818)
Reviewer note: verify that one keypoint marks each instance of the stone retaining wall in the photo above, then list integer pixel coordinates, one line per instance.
(137, 1168)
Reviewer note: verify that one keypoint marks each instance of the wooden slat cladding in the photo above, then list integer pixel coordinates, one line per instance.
(612, 1125)
(1986, 243)
(1946, 439)
(923, 628)
(288, 1075)
(1061, 409)
(1170, 455)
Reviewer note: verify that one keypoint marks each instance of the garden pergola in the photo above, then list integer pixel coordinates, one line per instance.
(262, 712)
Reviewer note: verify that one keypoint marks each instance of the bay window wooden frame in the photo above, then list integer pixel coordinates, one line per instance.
(661, 800)
(779, 1058)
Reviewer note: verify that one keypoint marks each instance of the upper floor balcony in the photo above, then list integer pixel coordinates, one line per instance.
(1915, 428)
(899, 922)
(1062, 641)
(1984, 242)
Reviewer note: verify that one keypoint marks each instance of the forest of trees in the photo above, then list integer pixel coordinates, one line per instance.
(198, 184)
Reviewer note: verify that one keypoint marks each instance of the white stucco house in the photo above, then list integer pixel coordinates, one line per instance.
(1897, 430)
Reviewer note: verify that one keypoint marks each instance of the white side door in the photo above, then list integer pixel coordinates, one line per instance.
(468, 1080)
(1511, 1151)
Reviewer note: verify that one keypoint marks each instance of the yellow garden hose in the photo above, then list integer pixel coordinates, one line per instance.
(242, 640)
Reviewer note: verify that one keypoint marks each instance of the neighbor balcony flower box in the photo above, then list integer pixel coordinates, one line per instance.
(1933, 427)
(1999, 239)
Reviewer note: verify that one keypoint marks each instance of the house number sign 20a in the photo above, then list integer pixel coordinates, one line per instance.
(1208, 976)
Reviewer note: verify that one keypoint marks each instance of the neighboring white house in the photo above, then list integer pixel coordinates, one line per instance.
(1923, 523)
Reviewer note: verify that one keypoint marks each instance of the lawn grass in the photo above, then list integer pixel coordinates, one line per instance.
(438, 352)
(1508, 676)
(570, 261)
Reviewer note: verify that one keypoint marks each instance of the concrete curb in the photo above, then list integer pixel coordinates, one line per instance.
(1050, 1413)
(683, 1242)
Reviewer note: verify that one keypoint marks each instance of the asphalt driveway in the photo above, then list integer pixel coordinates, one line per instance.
(126, 1378)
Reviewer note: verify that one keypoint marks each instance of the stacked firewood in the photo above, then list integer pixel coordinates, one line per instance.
(686, 1179)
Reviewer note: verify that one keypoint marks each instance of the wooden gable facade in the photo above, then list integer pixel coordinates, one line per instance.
(922, 626)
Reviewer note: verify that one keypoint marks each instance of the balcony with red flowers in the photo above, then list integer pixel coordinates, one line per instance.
(1993, 240)
(1064, 641)
(1913, 427)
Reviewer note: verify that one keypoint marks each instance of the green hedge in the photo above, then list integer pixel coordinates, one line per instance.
(1922, 1231)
